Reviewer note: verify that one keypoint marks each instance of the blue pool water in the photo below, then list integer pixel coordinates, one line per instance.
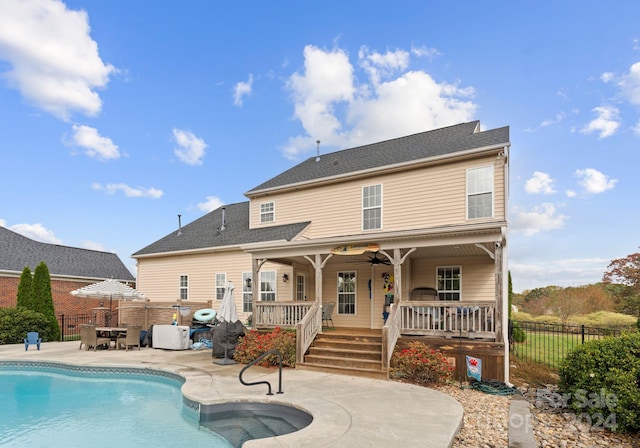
(54, 408)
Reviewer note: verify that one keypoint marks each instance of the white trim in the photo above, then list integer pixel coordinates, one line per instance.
(355, 293)
(181, 288)
(492, 191)
(216, 286)
(362, 208)
(459, 290)
(275, 286)
(272, 212)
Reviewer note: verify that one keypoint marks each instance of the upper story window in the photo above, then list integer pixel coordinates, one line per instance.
(480, 192)
(449, 279)
(183, 287)
(221, 281)
(372, 207)
(267, 212)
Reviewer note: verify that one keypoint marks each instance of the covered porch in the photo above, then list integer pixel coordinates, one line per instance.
(472, 312)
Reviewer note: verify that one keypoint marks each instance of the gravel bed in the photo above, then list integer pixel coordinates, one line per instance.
(486, 425)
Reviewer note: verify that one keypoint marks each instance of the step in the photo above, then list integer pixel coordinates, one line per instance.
(350, 337)
(340, 361)
(374, 355)
(359, 372)
(340, 344)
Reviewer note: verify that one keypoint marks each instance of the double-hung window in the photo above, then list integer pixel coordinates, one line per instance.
(449, 279)
(372, 207)
(268, 286)
(480, 192)
(267, 212)
(183, 287)
(346, 293)
(221, 281)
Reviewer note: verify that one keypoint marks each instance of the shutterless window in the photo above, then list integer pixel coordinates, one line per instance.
(267, 212)
(184, 287)
(247, 295)
(346, 293)
(449, 279)
(480, 192)
(268, 286)
(372, 207)
(300, 288)
(221, 281)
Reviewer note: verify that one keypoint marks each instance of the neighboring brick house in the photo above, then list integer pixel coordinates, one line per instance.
(70, 268)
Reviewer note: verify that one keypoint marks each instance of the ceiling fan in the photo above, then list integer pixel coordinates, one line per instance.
(374, 260)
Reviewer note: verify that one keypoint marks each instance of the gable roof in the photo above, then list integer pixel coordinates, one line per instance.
(18, 251)
(206, 232)
(422, 146)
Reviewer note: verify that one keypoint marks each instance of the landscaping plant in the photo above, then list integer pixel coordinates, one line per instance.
(256, 343)
(600, 381)
(419, 364)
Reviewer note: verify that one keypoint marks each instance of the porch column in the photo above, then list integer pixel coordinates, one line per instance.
(397, 261)
(256, 264)
(318, 264)
(498, 261)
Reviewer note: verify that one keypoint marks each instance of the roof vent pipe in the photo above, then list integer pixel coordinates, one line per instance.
(317, 150)
(179, 226)
(224, 218)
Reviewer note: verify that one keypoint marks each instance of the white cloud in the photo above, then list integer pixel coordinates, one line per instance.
(211, 203)
(541, 218)
(128, 191)
(594, 181)
(564, 272)
(571, 193)
(54, 61)
(332, 109)
(539, 183)
(606, 124)
(191, 149)
(425, 52)
(36, 232)
(636, 128)
(92, 245)
(607, 77)
(241, 90)
(379, 65)
(96, 146)
(629, 84)
(558, 118)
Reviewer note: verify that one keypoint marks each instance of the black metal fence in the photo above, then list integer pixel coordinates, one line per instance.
(70, 325)
(549, 344)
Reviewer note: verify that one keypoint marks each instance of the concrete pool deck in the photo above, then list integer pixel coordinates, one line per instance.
(347, 411)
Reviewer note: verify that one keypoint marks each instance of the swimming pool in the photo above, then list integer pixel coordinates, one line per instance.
(56, 405)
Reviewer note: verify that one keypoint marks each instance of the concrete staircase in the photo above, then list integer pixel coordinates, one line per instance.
(349, 352)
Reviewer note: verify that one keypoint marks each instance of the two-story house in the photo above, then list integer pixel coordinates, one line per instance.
(405, 237)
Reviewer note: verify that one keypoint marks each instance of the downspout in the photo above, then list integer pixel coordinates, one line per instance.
(505, 264)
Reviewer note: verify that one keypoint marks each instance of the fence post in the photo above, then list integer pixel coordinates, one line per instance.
(62, 328)
(582, 332)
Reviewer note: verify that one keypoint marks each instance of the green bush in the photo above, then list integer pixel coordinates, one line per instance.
(602, 381)
(420, 365)
(518, 333)
(255, 343)
(15, 323)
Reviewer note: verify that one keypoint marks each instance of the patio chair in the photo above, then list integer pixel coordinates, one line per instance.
(327, 311)
(33, 338)
(89, 338)
(129, 339)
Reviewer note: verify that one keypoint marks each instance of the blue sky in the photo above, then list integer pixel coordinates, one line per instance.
(116, 116)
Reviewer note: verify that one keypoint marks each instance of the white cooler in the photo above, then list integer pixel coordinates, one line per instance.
(171, 337)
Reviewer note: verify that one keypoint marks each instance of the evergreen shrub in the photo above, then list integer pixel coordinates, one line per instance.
(420, 364)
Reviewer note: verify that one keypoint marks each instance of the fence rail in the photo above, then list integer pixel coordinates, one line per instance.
(70, 325)
(549, 344)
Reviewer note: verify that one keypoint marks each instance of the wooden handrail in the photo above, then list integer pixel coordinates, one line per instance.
(307, 329)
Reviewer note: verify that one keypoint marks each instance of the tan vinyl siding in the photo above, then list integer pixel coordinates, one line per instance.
(477, 276)
(413, 199)
(158, 278)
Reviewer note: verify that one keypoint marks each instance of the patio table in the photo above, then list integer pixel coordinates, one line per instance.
(111, 332)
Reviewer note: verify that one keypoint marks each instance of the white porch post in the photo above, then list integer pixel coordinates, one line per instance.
(318, 264)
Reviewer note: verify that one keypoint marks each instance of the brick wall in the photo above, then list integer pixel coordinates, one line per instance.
(63, 301)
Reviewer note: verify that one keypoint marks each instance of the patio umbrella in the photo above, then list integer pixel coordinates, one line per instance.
(229, 314)
(111, 289)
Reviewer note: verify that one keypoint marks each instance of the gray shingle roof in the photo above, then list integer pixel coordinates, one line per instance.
(205, 232)
(18, 251)
(425, 145)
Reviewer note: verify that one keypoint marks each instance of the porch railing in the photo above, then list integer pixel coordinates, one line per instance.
(468, 319)
(390, 335)
(280, 314)
(307, 329)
